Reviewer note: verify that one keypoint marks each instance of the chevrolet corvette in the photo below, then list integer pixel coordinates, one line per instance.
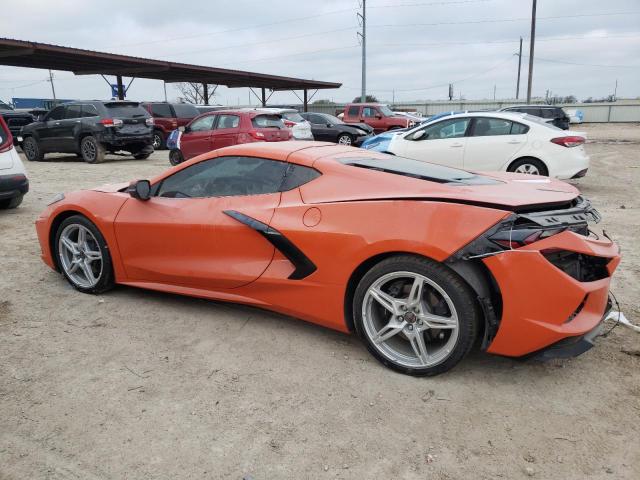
(421, 261)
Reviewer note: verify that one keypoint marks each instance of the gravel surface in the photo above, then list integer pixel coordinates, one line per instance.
(134, 384)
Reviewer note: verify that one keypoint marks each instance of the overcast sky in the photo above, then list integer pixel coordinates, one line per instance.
(415, 47)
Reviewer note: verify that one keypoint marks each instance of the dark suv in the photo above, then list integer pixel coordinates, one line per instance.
(167, 117)
(91, 129)
(550, 114)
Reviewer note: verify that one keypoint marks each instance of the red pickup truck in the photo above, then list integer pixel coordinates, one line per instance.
(376, 115)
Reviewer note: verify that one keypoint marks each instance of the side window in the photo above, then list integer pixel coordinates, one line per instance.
(202, 124)
(56, 114)
(298, 175)
(485, 127)
(317, 119)
(73, 111)
(369, 112)
(354, 110)
(454, 128)
(161, 110)
(549, 113)
(228, 121)
(225, 177)
(518, 128)
(89, 110)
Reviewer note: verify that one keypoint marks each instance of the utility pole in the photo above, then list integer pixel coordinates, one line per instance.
(532, 43)
(363, 37)
(519, 66)
(494, 93)
(615, 91)
(165, 90)
(53, 89)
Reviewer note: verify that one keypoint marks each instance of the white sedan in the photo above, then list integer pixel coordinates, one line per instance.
(491, 141)
(13, 177)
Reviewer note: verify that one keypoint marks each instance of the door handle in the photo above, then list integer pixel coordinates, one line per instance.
(56, 123)
(77, 121)
(514, 142)
(456, 145)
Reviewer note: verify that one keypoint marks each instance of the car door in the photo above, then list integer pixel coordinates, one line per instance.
(68, 125)
(188, 234)
(225, 131)
(442, 142)
(48, 130)
(322, 128)
(196, 139)
(492, 142)
(374, 118)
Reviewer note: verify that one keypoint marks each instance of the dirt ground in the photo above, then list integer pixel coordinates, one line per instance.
(140, 385)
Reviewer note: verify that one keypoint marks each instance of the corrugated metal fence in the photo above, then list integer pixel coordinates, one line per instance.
(625, 111)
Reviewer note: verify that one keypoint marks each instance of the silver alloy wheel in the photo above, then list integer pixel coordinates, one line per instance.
(399, 319)
(344, 140)
(528, 168)
(80, 255)
(157, 141)
(89, 150)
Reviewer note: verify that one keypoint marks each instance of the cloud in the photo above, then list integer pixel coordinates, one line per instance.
(415, 47)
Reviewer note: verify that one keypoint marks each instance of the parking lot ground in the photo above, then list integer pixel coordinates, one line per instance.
(135, 384)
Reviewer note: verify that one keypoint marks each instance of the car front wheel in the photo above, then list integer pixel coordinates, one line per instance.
(159, 141)
(415, 315)
(10, 203)
(32, 150)
(83, 256)
(345, 139)
(175, 157)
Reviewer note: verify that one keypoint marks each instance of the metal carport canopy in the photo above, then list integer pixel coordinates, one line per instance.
(20, 53)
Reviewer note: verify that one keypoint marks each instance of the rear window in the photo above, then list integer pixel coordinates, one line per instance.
(126, 110)
(185, 110)
(417, 169)
(161, 110)
(267, 121)
(353, 111)
(293, 117)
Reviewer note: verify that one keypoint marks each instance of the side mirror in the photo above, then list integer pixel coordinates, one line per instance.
(378, 116)
(419, 134)
(329, 125)
(182, 129)
(140, 189)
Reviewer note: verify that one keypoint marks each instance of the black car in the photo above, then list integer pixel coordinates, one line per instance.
(551, 114)
(91, 129)
(15, 120)
(328, 128)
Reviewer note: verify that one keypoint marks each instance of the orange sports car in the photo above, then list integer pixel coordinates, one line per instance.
(420, 260)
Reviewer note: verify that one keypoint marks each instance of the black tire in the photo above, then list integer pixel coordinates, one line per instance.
(533, 162)
(92, 150)
(159, 140)
(345, 139)
(10, 203)
(141, 156)
(459, 292)
(32, 150)
(175, 157)
(106, 280)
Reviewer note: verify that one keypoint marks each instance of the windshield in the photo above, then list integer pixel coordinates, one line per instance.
(126, 110)
(418, 169)
(385, 110)
(333, 120)
(293, 117)
(185, 110)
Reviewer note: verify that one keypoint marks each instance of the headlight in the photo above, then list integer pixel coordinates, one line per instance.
(56, 199)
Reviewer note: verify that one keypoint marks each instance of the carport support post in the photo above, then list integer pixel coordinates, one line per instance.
(120, 87)
(205, 93)
(264, 97)
(305, 103)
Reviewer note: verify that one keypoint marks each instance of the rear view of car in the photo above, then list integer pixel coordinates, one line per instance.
(300, 127)
(553, 115)
(167, 117)
(224, 128)
(13, 177)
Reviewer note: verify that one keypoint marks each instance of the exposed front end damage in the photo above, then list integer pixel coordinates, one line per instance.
(548, 280)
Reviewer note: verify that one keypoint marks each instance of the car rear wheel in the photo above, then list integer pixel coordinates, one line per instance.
(32, 150)
(345, 139)
(11, 202)
(141, 156)
(83, 255)
(529, 165)
(159, 142)
(92, 151)
(175, 157)
(415, 315)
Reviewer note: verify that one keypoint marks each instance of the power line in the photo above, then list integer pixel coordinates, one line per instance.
(426, 4)
(584, 64)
